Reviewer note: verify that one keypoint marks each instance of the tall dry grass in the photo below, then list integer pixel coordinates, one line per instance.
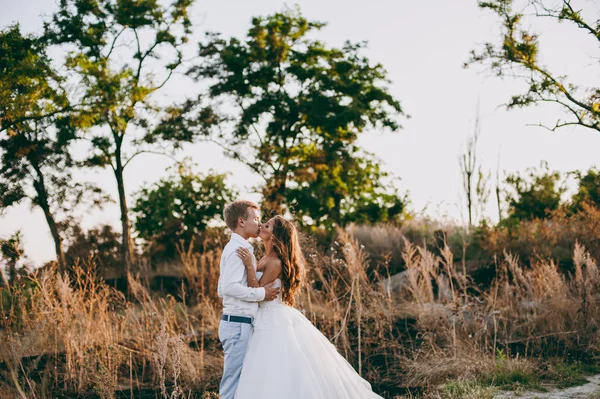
(75, 335)
(532, 312)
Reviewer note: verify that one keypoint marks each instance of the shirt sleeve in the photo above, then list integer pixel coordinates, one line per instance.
(233, 273)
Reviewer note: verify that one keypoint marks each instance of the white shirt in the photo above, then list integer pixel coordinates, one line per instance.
(238, 298)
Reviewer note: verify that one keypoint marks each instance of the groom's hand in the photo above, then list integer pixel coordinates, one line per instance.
(271, 292)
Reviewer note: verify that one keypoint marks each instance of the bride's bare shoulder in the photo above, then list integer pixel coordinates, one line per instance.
(272, 262)
(272, 270)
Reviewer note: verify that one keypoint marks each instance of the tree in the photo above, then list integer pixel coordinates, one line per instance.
(121, 52)
(534, 196)
(588, 189)
(297, 107)
(178, 208)
(346, 189)
(35, 137)
(517, 54)
(11, 251)
(100, 245)
(30, 89)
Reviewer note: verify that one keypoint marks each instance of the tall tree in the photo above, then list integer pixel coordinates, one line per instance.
(517, 54)
(179, 208)
(296, 106)
(121, 52)
(35, 136)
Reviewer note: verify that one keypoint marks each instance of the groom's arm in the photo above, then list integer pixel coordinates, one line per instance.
(233, 273)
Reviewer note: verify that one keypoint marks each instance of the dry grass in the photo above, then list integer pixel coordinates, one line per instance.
(75, 335)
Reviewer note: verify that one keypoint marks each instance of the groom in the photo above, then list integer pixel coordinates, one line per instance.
(240, 302)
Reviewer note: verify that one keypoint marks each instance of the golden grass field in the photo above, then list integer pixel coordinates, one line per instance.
(430, 331)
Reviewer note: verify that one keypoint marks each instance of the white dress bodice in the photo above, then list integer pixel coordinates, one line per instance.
(275, 302)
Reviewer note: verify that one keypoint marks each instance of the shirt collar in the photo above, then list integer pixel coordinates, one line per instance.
(240, 239)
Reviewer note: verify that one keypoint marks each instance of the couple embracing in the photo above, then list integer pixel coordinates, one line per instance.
(271, 349)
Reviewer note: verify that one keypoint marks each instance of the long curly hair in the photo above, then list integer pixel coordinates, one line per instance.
(287, 247)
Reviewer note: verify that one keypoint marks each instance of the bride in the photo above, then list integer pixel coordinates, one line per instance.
(287, 356)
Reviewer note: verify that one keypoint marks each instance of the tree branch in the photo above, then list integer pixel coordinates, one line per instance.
(548, 12)
(260, 140)
(148, 152)
(165, 81)
(580, 121)
(112, 46)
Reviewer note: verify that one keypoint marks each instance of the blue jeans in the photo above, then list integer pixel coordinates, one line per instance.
(234, 337)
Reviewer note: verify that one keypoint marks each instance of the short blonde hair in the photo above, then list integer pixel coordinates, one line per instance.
(237, 209)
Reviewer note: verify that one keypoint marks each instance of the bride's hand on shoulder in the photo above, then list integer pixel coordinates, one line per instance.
(246, 257)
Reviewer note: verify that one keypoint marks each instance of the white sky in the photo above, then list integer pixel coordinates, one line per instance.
(423, 45)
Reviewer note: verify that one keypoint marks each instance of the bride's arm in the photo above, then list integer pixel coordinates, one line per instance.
(250, 272)
(271, 269)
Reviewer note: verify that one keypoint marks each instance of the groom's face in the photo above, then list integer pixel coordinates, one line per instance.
(251, 225)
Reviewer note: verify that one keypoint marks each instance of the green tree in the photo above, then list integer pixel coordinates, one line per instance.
(517, 54)
(533, 196)
(30, 89)
(344, 190)
(178, 208)
(296, 108)
(588, 189)
(120, 52)
(35, 136)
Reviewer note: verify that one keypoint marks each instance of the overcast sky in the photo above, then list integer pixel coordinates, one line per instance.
(423, 45)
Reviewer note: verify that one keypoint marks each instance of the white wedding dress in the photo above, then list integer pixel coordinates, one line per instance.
(289, 358)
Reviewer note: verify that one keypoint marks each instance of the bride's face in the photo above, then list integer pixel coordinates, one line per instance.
(266, 231)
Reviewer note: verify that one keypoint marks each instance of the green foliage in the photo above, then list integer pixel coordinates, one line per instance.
(533, 196)
(36, 134)
(347, 190)
(29, 88)
(299, 108)
(588, 189)
(118, 82)
(120, 52)
(517, 54)
(178, 208)
(28, 144)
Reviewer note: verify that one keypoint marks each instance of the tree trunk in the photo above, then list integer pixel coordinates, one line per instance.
(3, 280)
(126, 248)
(42, 193)
(469, 188)
(499, 204)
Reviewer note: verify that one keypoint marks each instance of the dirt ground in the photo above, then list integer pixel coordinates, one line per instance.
(591, 390)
